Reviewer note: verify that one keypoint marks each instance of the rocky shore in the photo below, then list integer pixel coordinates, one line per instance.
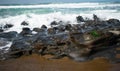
(80, 42)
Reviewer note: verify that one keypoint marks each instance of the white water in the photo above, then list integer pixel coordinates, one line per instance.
(64, 5)
(37, 20)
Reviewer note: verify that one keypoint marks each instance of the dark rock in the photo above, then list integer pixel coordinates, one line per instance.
(3, 42)
(5, 27)
(5, 45)
(21, 46)
(61, 28)
(95, 18)
(114, 21)
(8, 35)
(80, 19)
(68, 27)
(54, 23)
(43, 27)
(26, 31)
(8, 26)
(61, 23)
(24, 23)
(1, 30)
(36, 29)
(51, 31)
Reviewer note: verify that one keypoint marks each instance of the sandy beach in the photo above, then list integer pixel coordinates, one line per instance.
(37, 63)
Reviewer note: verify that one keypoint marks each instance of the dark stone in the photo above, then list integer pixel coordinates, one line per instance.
(26, 31)
(43, 27)
(8, 26)
(8, 35)
(24, 23)
(36, 29)
(51, 31)
(95, 17)
(61, 28)
(80, 19)
(68, 27)
(61, 23)
(114, 21)
(1, 30)
(54, 23)
(21, 46)
(3, 42)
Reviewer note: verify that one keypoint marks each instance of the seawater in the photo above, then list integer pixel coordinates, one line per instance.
(38, 14)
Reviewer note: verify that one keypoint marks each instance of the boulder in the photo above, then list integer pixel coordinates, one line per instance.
(8, 35)
(114, 21)
(54, 23)
(51, 31)
(37, 29)
(8, 26)
(60, 28)
(95, 18)
(26, 31)
(21, 46)
(24, 23)
(43, 27)
(1, 30)
(80, 19)
(68, 27)
(4, 48)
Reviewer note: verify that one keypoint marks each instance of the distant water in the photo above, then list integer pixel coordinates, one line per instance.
(40, 14)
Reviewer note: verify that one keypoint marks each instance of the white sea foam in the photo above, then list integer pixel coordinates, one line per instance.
(64, 5)
(35, 20)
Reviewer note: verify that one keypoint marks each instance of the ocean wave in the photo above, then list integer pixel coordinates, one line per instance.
(64, 5)
(37, 20)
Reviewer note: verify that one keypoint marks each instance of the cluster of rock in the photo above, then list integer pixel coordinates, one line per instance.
(80, 42)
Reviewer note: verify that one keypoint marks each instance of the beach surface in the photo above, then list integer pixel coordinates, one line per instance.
(36, 62)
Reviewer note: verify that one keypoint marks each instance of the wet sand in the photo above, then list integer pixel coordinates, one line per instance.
(37, 63)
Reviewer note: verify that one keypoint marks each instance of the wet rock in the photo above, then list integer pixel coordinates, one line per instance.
(43, 27)
(61, 23)
(5, 27)
(37, 29)
(26, 31)
(4, 48)
(9, 35)
(8, 25)
(20, 46)
(68, 27)
(1, 30)
(51, 30)
(60, 28)
(54, 23)
(113, 21)
(95, 18)
(80, 19)
(3, 42)
(24, 23)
